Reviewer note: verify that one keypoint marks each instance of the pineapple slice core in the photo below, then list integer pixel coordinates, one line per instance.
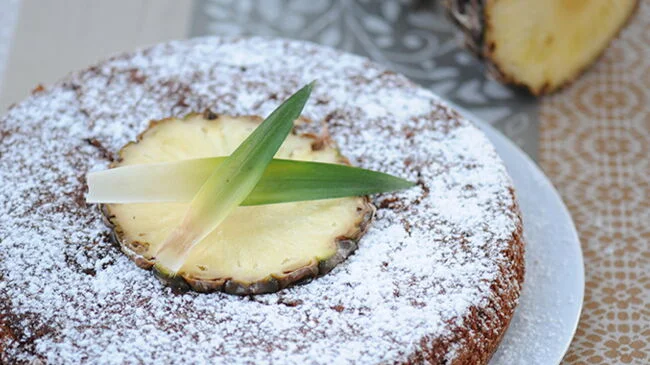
(543, 44)
(255, 243)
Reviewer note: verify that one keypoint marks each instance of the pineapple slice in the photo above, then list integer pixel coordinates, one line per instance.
(257, 249)
(540, 45)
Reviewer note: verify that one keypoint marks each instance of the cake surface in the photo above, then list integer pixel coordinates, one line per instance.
(435, 279)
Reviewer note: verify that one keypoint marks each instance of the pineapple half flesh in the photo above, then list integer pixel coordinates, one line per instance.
(257, 249)
(555, 41)
(540, 45)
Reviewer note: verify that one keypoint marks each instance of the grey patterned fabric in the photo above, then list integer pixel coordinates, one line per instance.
(409, 36)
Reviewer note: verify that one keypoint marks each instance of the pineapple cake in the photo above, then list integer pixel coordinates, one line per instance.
(540, 45)
(430, 274)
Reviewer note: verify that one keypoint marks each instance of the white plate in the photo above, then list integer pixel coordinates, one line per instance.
(547, 316)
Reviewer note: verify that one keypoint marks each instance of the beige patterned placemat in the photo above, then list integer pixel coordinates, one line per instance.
(595, 139)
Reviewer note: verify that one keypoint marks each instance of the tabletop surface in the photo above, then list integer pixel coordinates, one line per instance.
(592, 138)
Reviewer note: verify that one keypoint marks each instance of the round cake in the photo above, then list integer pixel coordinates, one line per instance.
(435, 279)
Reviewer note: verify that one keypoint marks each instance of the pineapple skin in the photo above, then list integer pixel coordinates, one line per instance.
(472, 19)
(346, 244)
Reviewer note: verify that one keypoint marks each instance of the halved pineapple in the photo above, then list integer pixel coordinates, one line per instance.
(257, 249)
(540, 45)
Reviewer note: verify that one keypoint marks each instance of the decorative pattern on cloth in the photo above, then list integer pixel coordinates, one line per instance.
(595, 139)
(411, 37)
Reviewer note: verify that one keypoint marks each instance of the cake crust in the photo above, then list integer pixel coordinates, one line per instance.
(435, 279)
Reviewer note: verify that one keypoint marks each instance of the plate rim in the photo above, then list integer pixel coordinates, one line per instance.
(493, 134)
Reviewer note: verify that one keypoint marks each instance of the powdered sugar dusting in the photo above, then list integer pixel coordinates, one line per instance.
(432, 253)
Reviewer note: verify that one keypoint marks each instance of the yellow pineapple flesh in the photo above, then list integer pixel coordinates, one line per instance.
(544, 44)
(257, 248)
